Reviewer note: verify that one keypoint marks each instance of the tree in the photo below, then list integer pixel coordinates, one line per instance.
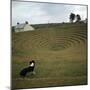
(26, 22)
(72, 17)
(78, 18)
(17, 22)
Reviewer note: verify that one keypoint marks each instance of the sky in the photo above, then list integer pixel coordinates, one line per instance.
(38, 13)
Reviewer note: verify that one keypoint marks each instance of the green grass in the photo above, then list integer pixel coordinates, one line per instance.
(60, 53)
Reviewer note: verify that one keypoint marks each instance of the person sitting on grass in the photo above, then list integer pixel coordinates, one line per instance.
(28, 69)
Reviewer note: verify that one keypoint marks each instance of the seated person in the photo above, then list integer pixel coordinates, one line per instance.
(28, 69)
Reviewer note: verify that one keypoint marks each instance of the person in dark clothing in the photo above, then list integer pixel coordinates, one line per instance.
(28, 69)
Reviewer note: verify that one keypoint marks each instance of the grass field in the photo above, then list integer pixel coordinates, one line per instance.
(60, 52)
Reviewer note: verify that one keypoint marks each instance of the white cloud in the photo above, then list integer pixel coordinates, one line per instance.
(44, 12)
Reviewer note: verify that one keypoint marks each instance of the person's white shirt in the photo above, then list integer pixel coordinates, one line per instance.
(32, 64)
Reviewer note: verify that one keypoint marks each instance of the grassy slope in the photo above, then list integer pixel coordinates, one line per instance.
(60, 54)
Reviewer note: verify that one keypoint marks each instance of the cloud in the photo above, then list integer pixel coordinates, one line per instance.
(44, 12)
(22, 11)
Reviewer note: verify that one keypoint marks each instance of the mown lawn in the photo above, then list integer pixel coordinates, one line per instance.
(60, 54)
